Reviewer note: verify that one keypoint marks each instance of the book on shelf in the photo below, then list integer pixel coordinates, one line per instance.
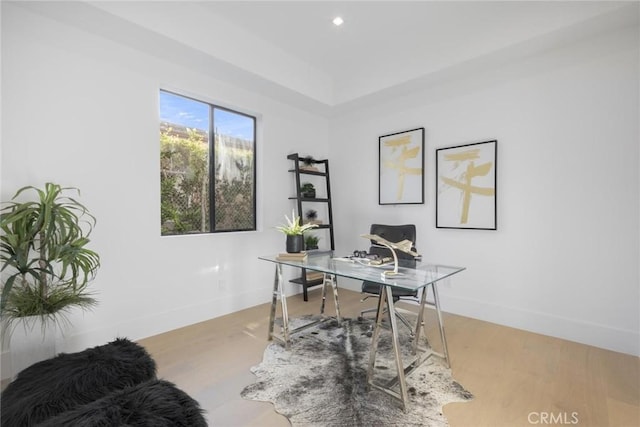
(314, 275)
(286, 256)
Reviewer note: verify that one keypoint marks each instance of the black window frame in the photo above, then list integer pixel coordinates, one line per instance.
(212, 168)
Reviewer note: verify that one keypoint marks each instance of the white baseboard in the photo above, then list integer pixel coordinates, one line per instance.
(584, 332)
(151, 325)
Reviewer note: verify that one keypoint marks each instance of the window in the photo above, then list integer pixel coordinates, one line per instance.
(207, 167)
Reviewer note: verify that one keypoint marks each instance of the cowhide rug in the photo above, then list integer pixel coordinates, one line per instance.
(321, 380)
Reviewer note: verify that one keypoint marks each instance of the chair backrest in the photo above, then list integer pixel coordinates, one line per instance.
(393, 233)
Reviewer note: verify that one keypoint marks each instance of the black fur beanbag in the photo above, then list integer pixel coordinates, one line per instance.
(68, 381)
(155, 403)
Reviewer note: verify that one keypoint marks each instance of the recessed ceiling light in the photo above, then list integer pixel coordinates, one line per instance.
(337, 21)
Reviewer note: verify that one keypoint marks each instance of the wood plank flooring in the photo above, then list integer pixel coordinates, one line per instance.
(518, 378)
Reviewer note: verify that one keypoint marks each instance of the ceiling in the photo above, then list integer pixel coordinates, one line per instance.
(385, 43)
(291, 50)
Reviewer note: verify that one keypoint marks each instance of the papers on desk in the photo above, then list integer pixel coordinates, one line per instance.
(384, 262)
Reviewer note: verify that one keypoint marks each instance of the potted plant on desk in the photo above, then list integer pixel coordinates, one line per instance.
(294, 232)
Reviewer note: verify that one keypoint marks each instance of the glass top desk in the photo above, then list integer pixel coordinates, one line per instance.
(415, 277)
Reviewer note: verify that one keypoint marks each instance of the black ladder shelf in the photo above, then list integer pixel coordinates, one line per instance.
(320, 170)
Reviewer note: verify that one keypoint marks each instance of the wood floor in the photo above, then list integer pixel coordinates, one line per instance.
(518, 378)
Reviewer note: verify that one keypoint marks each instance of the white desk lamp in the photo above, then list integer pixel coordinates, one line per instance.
(404, 246)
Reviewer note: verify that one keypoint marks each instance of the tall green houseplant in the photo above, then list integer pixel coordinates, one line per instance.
(46, 266)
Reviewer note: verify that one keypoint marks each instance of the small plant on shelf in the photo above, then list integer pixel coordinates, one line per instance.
(311, 241)
(312, 217)
(308, 163)
(308, 190)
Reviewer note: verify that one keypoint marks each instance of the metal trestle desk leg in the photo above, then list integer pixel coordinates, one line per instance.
(386, 297)
(278, 294)
(420, 324)
(330, 279)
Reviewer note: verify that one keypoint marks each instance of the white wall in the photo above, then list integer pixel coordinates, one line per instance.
(83, 111)
(564, 260)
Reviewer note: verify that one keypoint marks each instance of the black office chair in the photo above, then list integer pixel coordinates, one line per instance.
(394, 234)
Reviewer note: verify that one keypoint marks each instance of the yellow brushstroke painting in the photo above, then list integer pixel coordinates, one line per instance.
(401, 159)
(467, 185)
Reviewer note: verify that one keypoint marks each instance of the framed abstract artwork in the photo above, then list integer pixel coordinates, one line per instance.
(401, 168)
(466, 186)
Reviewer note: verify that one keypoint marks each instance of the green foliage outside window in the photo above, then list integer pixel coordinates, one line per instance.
(184, 179)
(184, 182)
(234, 198)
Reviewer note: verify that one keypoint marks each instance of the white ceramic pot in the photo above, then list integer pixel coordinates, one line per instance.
(28, 341)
